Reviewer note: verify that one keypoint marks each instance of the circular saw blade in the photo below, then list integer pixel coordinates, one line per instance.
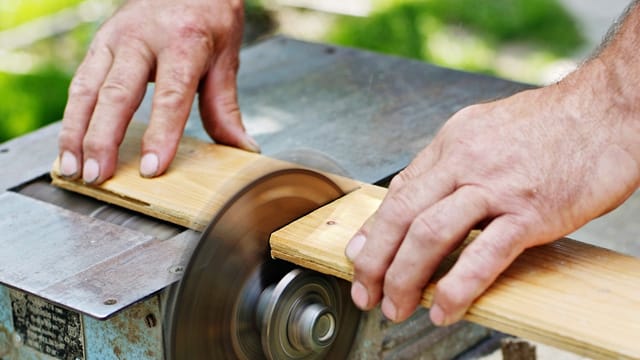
(231, 266)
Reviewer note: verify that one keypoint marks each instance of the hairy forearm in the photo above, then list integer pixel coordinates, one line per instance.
(620, 56)
(607, 85)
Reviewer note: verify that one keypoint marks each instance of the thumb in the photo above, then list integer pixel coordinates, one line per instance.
(218, 103)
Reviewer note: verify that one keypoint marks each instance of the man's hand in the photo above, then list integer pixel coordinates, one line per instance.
(184, 46)
(528, 169)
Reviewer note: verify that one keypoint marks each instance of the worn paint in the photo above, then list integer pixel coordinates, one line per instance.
(11, 346)
(6, 325)
(135, 333)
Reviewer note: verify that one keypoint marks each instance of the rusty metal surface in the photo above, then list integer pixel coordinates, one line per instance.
(28, 156)
(415, 338)
(82, 263)
(135, 333)
(42, 189)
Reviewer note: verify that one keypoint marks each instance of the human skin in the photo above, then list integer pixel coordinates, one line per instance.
(529, 169)
(185, 46)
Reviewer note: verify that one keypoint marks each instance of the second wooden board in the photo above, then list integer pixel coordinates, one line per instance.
(567, 294)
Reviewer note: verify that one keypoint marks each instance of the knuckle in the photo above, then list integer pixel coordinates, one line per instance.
(397, 182)
(80, 87)
(430, 232)
(228, 104)
(451, 299)
(71, 133)
(160, 139)
(137, 48)
(99, 145)
(470, 111)
(194, 30)
(68, 137)
(368, 270)
(114, 91)
(395, 282)
(173, 97)
(476, 199)
(398, 207)
(226, 20)
(132, 36)
(486, 257)
(402, 178)
(479, 274)
(237, 5)
(500, 249)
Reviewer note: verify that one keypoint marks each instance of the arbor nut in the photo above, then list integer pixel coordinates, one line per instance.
(312, 327)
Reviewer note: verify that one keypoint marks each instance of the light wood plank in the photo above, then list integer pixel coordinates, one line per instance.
(567, 294)
(201, 179)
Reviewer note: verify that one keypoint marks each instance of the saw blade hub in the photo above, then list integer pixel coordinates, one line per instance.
(235, 302)
(299, 315)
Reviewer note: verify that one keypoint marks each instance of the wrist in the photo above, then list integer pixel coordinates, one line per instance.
(605, 97)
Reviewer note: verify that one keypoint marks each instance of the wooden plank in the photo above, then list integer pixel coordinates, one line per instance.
(202, 177)
(567, 294)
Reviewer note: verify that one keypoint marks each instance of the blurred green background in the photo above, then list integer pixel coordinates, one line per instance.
(43, 41)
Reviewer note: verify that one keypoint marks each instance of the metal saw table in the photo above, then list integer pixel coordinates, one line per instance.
(80, 279)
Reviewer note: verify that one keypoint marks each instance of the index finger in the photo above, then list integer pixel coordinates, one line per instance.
(83, 95)
(387, 230)
(119, 96)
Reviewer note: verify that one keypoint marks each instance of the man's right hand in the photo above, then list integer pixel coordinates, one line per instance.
(184, 46)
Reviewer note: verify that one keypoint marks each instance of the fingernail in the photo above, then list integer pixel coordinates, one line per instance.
(250, 144)
(149, 165)
(355, 246)
(68, 164)
(359, 295)
(90, 171)
(437, 315)
(389, 309)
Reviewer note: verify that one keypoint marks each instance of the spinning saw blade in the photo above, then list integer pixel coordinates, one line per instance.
(235, 302)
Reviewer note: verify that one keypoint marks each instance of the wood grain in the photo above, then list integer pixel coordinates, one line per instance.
(201, 179)
(567, 294)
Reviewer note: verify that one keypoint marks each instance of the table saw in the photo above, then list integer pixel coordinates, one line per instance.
(86, 279)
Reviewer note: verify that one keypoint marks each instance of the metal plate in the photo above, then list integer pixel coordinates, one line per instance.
(82, 263)
(28, 156)
(48, 328)
(232, 257)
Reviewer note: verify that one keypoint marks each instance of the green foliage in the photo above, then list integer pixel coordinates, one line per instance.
(469, 31)
(16, 12)
(413, 28)
(32, 100)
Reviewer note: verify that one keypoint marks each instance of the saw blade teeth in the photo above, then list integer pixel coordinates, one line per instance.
(217, 308)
